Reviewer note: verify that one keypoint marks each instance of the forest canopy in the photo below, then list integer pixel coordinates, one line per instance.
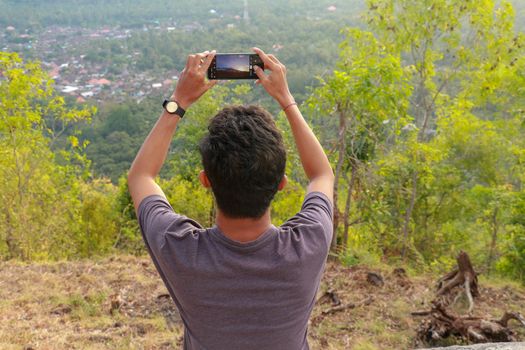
(420, 106)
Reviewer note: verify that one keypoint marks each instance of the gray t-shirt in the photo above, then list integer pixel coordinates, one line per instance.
(233, 295)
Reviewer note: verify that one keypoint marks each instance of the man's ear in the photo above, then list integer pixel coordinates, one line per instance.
(283, 183)
(204, 179)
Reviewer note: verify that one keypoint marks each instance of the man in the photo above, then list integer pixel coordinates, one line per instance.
(244, 283)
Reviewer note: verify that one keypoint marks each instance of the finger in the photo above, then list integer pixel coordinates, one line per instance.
(195, 61)
(202, 56)
(182, 73)
(195, 64)
(264, 57)
(260, 74)
(273, 58)
(189, 61)
(209, 58)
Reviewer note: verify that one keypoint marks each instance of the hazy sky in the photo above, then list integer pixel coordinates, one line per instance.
(238, 62)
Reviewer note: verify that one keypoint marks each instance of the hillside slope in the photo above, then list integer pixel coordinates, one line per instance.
(121, 303)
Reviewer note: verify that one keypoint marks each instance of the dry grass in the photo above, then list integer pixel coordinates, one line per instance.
(386, 323)
(69, 306)
(120, 303)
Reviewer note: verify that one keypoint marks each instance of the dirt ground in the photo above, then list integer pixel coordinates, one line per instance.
(121, 303)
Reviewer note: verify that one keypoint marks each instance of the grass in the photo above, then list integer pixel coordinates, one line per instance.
(68, 305)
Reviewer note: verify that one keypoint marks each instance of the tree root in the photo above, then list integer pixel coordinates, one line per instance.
(442, 323)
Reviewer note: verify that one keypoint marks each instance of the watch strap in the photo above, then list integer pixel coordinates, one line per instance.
(180, 111)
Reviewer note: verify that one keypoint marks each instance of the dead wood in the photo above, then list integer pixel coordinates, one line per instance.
(511, 316)
(463, 276)
(116, 302)
(421, 313)
(401, 278)
(331, 296)
(61, 310)
(375, 279)
(400, 272)
(442, 323)
(342, 307)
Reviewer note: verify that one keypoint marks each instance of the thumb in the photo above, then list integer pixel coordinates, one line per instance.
(212, 83)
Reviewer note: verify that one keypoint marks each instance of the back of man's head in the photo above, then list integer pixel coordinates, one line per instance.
(244, 158)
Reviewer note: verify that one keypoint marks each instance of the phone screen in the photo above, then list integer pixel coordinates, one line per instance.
(234, 66)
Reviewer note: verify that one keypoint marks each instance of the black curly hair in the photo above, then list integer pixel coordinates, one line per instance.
(244, 158)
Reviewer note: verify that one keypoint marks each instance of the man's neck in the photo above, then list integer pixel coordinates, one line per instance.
(243, 230)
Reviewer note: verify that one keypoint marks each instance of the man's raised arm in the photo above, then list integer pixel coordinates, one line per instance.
(314, 160)
(148, 162)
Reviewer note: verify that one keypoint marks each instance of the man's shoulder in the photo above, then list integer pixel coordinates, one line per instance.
(157, 217)
(313, 223)
(319, 198)
(316, 207)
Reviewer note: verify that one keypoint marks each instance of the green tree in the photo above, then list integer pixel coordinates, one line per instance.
(462, 57)
(39, 206)
(368, 96)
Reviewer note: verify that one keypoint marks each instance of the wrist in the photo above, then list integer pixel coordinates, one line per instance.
(289, 106)
(182, 102)
(172, 119)
(286, 101)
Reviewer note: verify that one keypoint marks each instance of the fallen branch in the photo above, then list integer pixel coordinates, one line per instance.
(511, 316)
(476, 329)
(420, 313)
(342, 307)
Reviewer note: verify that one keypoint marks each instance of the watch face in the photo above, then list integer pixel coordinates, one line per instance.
(171, 106)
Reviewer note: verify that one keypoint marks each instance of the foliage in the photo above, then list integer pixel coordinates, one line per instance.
(422, 116)
(190, 199)
(368, 96)
(287, 202)
(116, 135)
(40, 210)
(98, 217)
(448, 175)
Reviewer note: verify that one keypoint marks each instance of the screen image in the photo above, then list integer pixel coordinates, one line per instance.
(235, 66)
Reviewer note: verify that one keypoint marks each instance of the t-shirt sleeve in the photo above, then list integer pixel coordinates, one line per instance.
(157, 219)
(316, 217)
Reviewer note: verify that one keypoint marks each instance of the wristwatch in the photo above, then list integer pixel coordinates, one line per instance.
(172, 107)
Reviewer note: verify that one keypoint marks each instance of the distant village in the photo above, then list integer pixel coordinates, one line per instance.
(60, 51)
(75, 76)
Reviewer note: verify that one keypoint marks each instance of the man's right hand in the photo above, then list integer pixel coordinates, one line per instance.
(274, 83)
(192, 82)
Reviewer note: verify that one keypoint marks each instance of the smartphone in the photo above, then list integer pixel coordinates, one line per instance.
(226, 66)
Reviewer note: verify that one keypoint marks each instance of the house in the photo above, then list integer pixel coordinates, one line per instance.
(99, 82)
(69, 89)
